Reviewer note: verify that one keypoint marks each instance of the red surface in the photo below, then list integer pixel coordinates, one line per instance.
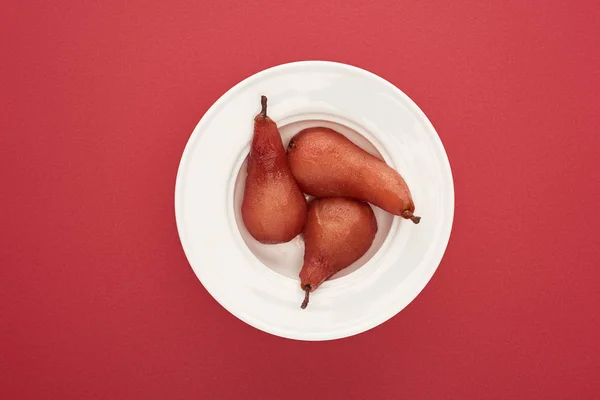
(97, 102)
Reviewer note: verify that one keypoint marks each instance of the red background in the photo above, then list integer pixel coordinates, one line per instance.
(98, 100)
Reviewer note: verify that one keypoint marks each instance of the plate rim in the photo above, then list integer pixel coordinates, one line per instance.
(207, 116)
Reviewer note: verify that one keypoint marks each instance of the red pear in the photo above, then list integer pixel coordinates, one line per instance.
(326, 163)
(338, 231)
(274, 208)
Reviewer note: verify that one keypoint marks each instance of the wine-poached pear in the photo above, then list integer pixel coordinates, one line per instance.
(338, 231)
(326, 163)
(273, 208)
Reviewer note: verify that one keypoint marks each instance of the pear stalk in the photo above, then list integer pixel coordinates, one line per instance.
(306, 296)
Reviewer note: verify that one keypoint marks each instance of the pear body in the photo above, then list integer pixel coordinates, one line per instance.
(273, 208)
(325, 163)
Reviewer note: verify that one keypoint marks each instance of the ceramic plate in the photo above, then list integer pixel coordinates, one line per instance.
(258, 283)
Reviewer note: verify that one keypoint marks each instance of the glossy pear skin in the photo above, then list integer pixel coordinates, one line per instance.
(325, 163)
(338, 231)
(273, 208)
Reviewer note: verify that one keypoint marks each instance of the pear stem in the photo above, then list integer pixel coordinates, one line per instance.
(263, 104)
(306, 296)
(409, 215)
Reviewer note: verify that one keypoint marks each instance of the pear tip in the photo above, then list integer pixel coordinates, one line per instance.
(409, 215)
(306, 296)
(263, 105)
(291, 145)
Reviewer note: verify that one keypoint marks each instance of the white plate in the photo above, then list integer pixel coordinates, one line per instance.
(258, 283)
